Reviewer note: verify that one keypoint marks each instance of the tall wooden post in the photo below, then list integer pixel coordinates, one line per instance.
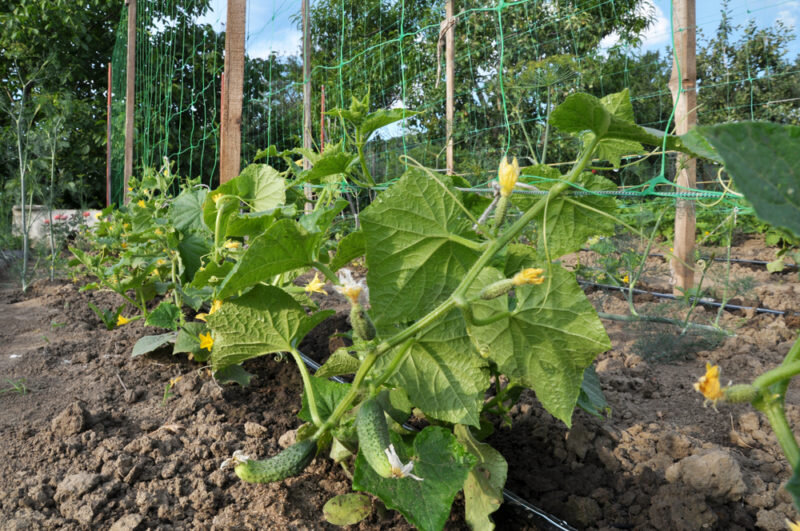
(322, 117)
(130, 96)
(231, 121)
(450, 59)
(683, 89)
(306, 99)
(108, 139)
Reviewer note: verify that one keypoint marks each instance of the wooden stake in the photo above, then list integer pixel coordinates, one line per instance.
(231, 121)
(322, 118)
(683, 89)
(130, 96)
(306, 101)
(450, 59)
(108, 139)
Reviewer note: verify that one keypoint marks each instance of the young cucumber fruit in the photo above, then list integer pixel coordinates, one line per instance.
(290, 462)
(373, 437)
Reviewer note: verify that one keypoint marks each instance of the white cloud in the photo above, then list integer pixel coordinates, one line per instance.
(789, 15)
(658, 32)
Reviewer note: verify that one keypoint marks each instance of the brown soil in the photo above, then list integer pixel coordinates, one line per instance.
(94, 445)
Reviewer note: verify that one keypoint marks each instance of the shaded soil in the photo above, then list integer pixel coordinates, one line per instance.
(94, 444)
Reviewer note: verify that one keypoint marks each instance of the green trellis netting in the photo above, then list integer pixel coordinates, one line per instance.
(514, 62)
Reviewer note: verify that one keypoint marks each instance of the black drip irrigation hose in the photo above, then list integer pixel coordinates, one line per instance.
(721, 259)
(735, 261)
(552, 521)
(704, 302)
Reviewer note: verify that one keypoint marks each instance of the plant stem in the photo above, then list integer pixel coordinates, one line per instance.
(779, 374)
(364, 168)
(783, 432)
(325, 270)
(395, 363)
(312, 399)
(352, 393)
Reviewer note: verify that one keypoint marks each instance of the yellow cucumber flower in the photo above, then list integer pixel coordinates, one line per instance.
(708, 384)
(201, 316)
(528, 276)
(206, 341)
(141, 203)
(507, 175)
(216, 305)
(122, 320)
(792, 526)
(315, 285)
(626, 279)
(232, 244)
(159, 232)
(216, 198)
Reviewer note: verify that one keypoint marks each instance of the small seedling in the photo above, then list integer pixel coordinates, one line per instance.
(168, 389)
(18, 386)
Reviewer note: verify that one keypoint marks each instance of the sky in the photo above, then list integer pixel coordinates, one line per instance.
(270, 28)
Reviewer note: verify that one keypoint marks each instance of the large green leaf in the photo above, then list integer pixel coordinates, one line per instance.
(166, 315)
(187, 210)
(439, 459)
(381, 118)
(414, 255)
(551, 336)
(192, 248)
(350, 247)
(581, 112)
(327, 395)
(329, 164)
(283, 247)
(442, 373)
(148, 344)
(764, 160)
(265, 320)
(483, 489)
(254, 223)
(567, 225)
(619, 105)
(261, 186)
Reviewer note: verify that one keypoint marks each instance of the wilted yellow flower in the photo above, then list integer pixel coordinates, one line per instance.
(356, 291)
(124, 245)
(159, 232)
(216, 305)
(792, 526)
(122, 320)
(507, 175)
(141, 203)
(201, 316)
(161, 261)
(708, 384)
(206, 341)
(315, 285)
(173, 381)
(215, 198)
(232, 244)
(528, 276)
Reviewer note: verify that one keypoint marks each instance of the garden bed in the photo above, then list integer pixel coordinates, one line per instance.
(95, 443)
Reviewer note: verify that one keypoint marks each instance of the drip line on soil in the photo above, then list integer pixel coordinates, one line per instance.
(704, 302)
(554, 522)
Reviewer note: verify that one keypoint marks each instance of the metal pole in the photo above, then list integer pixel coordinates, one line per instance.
(683, 86)
(108, 139)
(130, 96)
(306, 101)
(231, 122)
(450, 55)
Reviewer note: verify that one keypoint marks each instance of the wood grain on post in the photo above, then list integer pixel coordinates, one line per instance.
(306, 101)
(231, 121)
(450, 59)
(130, 96)
(683, 89)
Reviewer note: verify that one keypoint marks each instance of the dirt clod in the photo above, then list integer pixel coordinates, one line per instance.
(70, 421)
(716, 473)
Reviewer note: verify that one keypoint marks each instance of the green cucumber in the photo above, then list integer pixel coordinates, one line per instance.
(290, 462)
(373, 437)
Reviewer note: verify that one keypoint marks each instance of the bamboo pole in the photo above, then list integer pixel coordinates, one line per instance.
(450, 55)
(231, 122)
(130, 96)
(307, 101)
(683, 86)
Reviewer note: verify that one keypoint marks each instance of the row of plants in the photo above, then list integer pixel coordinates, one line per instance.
(465, 303)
